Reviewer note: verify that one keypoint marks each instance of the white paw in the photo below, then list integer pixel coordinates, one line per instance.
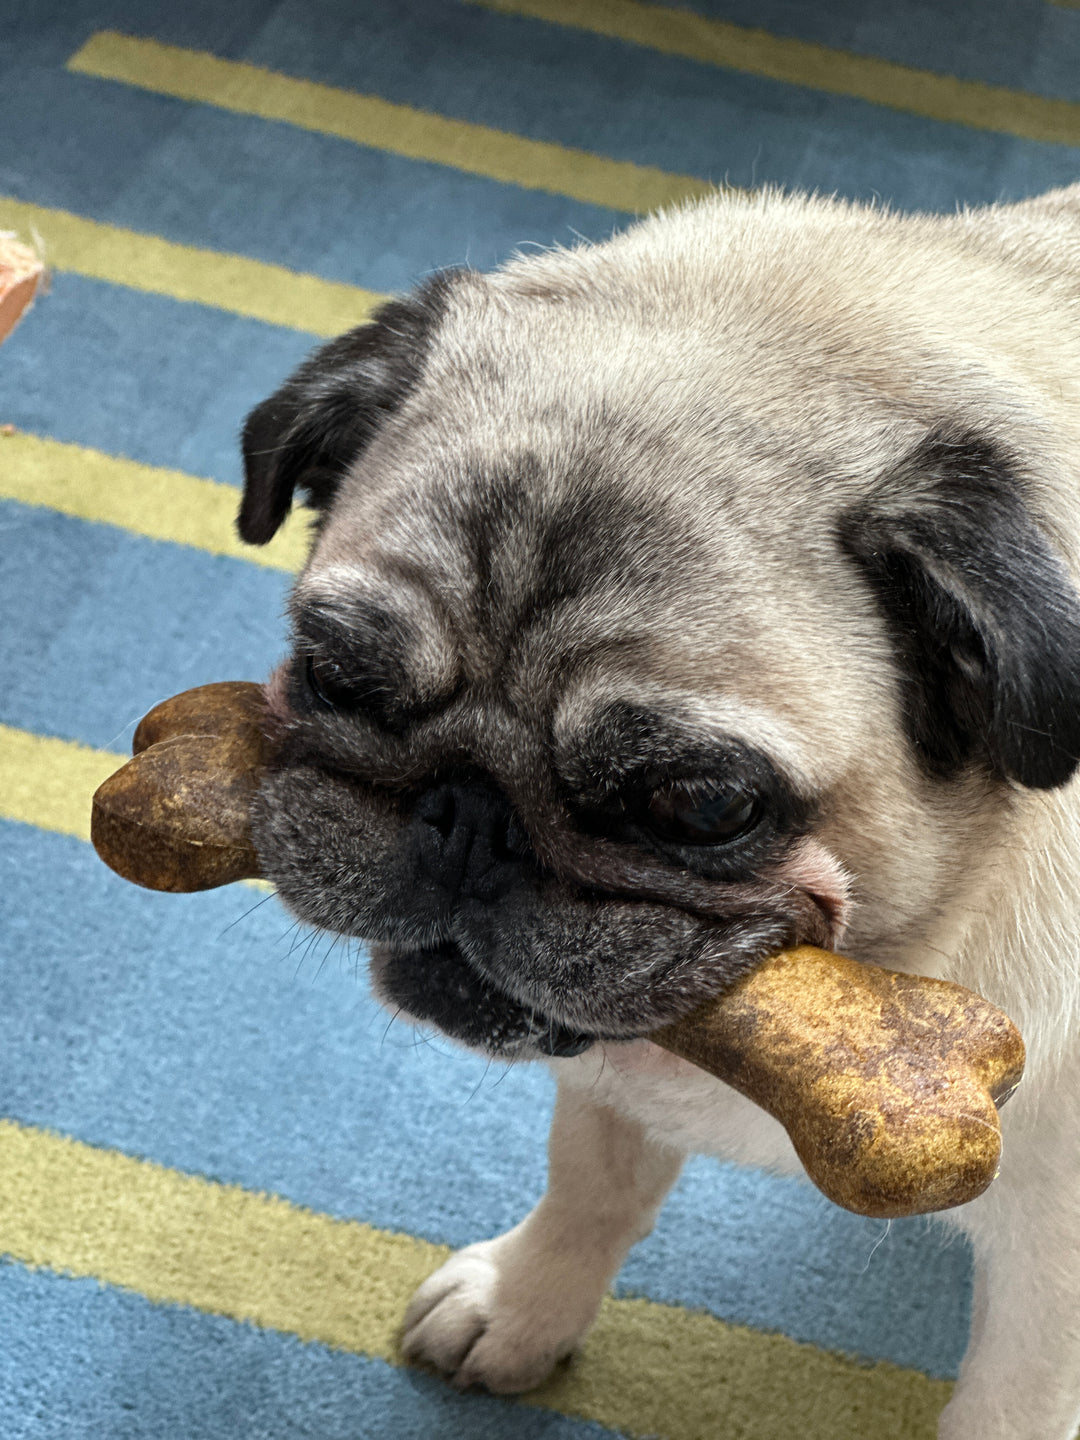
(488, 1318)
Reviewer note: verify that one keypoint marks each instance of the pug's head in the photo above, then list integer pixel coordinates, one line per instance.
(658, 609)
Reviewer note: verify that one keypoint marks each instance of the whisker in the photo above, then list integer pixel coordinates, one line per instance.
(389, 1023)
(250, 911)
(476, 1088)
(877, 1246)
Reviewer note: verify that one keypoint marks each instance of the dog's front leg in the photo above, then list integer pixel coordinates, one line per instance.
(1020, 1379)
(503, 1312)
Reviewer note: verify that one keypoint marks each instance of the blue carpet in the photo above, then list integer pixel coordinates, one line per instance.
(204, 1032)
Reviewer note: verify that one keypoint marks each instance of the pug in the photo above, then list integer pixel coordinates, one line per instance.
(672, 600)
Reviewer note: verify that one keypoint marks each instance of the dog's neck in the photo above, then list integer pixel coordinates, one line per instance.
(1024, 901)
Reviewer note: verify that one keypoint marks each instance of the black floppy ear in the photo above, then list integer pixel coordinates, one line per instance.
(984, 616)
(309, 431)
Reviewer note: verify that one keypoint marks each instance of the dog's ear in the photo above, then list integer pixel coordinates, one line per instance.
(310, 430)
(982, 611)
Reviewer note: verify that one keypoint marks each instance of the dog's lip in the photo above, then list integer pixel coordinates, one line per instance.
(562, 1043)
(464, 992)
(539, 1032)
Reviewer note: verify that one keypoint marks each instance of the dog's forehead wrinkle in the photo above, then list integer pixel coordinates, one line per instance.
(624, 719)
(368, 619)
(349, 603)
(526, 540)
(532, 591)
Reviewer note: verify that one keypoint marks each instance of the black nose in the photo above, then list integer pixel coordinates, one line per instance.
(470, 840)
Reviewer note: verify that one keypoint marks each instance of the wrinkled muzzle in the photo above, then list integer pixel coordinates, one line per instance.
(473, 932)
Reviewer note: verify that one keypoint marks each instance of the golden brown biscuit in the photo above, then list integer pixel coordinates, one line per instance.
(176, 816)
(887, 1083)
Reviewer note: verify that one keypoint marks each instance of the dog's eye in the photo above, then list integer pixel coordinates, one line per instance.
(328, 682)
(702, 812)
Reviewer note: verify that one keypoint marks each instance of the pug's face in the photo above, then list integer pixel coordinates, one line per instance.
(643, 633)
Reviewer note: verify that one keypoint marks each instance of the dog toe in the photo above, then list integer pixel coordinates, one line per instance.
(470, 1322)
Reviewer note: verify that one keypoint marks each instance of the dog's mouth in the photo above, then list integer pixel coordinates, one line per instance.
(439, 987)
(511, 984)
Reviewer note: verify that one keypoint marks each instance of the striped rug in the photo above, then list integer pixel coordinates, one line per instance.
(221, 1171)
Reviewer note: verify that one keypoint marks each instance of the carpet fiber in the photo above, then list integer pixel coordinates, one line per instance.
(221, 1170)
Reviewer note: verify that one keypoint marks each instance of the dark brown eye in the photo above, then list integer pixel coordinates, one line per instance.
(327, 682)
(702, 812)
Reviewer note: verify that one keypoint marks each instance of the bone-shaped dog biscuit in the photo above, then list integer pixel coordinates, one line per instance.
(176, 817)
(887, 1083)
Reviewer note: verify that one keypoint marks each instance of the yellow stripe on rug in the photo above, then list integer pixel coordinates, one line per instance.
(228, 282)
(155, 503)
(381, 124)
(48, 783)
(803, 62)
(647, 1369)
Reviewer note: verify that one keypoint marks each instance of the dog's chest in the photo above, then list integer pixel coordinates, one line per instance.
(680, 1105)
